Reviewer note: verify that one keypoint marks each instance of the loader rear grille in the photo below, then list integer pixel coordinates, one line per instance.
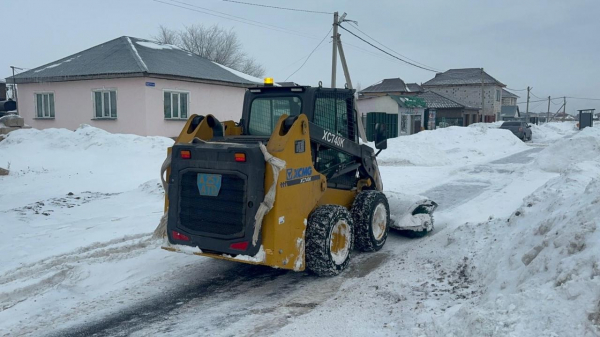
(222, 214)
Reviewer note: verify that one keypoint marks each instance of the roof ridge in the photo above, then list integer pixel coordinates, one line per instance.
(138, 59)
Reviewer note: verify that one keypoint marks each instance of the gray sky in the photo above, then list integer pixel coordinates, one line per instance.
(552, 46)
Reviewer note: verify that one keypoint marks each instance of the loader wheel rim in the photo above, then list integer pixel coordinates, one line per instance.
(379, 222)
(339, 243)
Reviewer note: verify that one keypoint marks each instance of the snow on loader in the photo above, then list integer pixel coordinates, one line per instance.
(289, 186)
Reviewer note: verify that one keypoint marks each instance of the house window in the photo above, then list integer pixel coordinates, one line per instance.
(176, 104)
(105, 104)
(44, 105)
(497, 95)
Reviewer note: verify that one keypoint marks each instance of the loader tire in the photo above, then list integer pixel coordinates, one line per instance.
(329, 240)
(371, 214)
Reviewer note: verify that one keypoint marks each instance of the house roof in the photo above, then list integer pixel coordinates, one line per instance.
(437, 101)
(465, 76)
(392, 85)
(133, 57)
(506, 93)
(409, 101)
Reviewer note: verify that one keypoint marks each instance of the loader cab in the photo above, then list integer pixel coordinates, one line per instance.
(330, 109)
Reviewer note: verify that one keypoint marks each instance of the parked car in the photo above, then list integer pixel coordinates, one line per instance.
(520, 129)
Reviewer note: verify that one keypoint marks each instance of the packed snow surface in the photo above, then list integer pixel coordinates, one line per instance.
(515, 250)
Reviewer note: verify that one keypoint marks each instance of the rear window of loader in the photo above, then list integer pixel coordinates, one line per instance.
(265, 112)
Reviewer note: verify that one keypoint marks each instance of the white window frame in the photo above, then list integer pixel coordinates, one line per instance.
(176, 91)
(498, 95)
(43, 114)
(102, 91)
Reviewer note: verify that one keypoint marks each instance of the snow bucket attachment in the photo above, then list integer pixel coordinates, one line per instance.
(412, 215)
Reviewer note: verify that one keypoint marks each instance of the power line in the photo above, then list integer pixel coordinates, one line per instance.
(534, 95)
(541, 100)
(232, 19)
(374, 46)
(309, 55)
(388, 48)
(239, 17)
(515, 89)
(276, 7)
(587, 99)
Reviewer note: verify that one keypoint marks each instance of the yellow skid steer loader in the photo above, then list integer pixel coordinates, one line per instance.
(289, 186)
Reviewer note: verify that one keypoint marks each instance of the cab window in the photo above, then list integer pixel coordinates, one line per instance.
(266, 111)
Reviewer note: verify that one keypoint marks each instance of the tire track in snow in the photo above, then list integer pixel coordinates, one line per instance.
(222, 301)
(49, 272)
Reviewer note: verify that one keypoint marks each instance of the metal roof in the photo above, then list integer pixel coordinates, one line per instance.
(506, 93)
(437, 101)
(133, 57)
(409, 101)
(392, 85)
(465, 76)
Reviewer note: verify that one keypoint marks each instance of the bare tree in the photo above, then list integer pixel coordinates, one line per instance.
(251, 67)
(214, 43)
(166, 36)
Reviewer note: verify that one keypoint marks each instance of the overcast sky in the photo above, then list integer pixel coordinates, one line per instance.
(552, 46)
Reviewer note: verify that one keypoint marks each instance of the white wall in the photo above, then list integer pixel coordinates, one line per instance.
(377, 104)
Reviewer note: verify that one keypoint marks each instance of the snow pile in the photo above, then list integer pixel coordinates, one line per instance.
(85, 159)
(552, 131)
(493, 125)
(545, 275)
(585, 145)
(450, 146)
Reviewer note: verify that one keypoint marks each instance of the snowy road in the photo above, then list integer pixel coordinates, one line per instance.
(207, 296)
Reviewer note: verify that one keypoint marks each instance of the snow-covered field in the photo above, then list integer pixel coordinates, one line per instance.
(515, 251)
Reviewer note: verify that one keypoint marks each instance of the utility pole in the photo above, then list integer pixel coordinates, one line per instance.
(548, 115)
(335, 45)
(564, 108)
(14, 88)
(527, 109)
(482, 99)
(361, 129)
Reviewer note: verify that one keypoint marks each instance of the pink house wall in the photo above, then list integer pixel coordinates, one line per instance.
(223, 102)
(139, 107)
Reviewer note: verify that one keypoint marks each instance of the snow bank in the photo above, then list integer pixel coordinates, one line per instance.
(493, 125)
(584, 146)
(57, 161)
(552, 131)
(450, 146)
(540, 269)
